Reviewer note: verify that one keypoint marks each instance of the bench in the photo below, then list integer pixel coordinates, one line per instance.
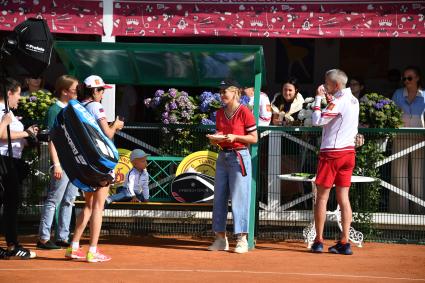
(175, 206)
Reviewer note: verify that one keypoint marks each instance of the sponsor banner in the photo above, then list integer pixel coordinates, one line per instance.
(123, 167)
(200, 162)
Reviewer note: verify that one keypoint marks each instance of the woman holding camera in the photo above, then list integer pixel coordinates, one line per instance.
(12, 172)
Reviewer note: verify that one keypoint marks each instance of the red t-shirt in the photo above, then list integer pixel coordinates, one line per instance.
(241, 123)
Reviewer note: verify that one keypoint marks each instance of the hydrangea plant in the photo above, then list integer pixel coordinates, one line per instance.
(33, 108)
(377, 111)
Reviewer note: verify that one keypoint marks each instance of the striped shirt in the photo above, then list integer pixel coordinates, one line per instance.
(340, 121)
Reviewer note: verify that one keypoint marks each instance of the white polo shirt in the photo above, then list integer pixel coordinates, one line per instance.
(340, 121)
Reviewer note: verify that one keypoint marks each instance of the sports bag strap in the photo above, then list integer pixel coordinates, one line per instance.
(87, 103)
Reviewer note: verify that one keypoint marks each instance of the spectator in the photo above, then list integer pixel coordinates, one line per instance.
(411, 100)
(34, 84)
(287, 104)
(357, 87)
(61, 192)
(236, 128)
(136, 186)
(11, 177)
(265, 112)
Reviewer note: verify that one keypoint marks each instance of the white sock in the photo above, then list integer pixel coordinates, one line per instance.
(93, 249)
(75, 245)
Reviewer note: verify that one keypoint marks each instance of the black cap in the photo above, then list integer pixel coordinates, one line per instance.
(228, 83)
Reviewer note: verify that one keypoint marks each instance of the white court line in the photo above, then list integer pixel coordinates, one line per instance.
(215, 271)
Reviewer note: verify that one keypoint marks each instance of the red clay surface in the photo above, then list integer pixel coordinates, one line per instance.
(164, 259)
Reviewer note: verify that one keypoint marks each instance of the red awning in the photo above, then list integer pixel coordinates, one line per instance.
(317, 19)
(246, 18)
(62, 16)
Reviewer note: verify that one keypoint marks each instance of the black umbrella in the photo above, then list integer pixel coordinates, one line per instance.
(26, 52)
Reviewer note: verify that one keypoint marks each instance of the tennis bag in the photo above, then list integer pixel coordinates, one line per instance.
(193, 187)
(86, 154)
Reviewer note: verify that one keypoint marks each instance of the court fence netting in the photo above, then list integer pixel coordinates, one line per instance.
(391, 209)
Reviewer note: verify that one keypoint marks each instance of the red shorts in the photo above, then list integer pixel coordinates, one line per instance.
(335, 168)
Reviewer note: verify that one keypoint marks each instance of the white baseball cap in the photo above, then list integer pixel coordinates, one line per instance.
(95, 81)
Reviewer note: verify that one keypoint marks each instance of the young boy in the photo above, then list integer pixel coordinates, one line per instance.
(136, 186)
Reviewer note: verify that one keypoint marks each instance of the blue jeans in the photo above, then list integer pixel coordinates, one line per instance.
(123, 194)
(61, 193)
(229, 182)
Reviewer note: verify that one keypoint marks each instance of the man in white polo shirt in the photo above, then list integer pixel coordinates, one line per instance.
(337, 154)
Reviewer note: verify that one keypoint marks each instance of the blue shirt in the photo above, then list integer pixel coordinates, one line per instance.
(413, 113)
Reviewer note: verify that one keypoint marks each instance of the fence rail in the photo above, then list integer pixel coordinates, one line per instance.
(391, 209)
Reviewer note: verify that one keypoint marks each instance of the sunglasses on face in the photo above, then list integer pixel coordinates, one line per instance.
(406, 79)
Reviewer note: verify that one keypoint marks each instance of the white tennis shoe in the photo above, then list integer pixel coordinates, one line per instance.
(241, 245)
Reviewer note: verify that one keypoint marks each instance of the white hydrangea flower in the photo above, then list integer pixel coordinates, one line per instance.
(301, 114)
(309, 100)
(308, 113)
(308, 122)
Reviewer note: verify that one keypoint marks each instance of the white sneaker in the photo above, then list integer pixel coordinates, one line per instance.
(241, 245)
(220, 244)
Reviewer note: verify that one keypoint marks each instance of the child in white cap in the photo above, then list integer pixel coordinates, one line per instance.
(136, 186)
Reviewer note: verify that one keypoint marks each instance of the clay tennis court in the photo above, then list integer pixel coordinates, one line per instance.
(165, 259)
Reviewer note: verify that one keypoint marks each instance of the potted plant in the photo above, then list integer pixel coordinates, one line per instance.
(33, 108)
(377, 111)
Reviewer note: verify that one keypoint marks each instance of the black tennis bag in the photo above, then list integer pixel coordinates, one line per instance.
(193, 187)
(87, 155)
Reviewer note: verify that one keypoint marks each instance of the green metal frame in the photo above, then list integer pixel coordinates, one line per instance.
(136, 64)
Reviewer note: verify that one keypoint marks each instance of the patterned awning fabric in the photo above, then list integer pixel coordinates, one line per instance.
(285, 18)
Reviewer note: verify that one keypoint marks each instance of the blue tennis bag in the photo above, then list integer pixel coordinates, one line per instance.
(86, 154)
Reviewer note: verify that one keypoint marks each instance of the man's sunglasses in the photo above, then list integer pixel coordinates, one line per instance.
(407, 78)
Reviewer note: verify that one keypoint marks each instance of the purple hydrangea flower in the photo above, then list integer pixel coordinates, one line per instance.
(244, 100)
(173, 92)
(159, 93)
(173, 105)
(206, 121)
(378, 105)
(33, 98)
(156, 101)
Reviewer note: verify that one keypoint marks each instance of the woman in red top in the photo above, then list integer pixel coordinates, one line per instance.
(236, 130)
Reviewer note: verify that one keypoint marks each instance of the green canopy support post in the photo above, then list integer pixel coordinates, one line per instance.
(254, 157)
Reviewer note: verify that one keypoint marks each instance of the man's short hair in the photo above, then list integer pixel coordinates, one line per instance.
(337, 76)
